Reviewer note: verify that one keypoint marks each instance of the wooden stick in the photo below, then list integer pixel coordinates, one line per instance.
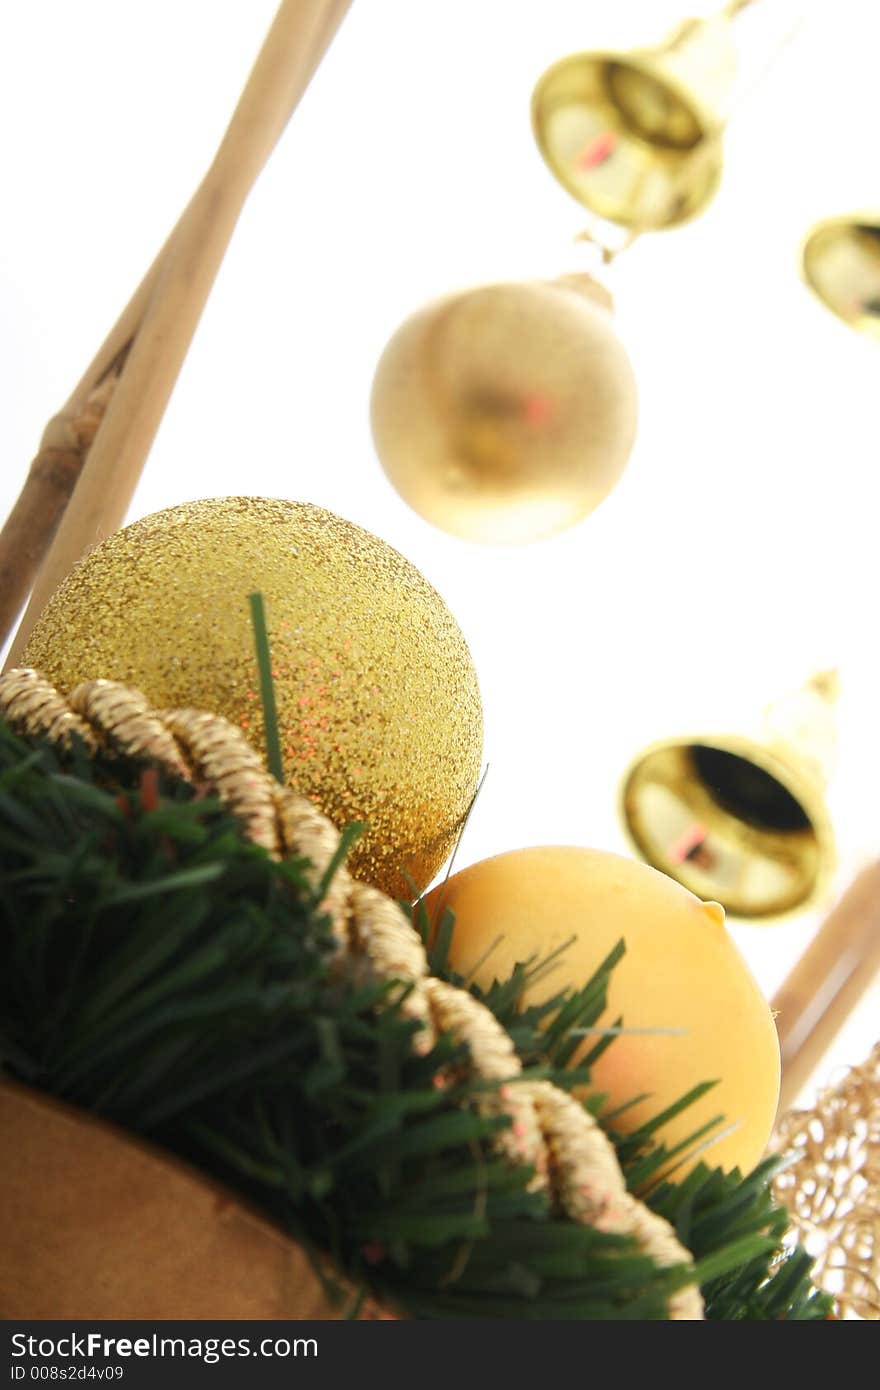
(152, 337)
(54, 473)
(827, 983)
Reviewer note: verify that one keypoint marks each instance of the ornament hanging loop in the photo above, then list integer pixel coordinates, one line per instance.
(609, 253)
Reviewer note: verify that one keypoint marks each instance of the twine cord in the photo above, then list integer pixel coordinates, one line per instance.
(572, 1157)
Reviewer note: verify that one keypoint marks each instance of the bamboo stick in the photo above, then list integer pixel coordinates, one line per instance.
(827, 983)
(152, 337)
(65, 443)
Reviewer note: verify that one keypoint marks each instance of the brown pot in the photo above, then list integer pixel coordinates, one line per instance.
(96, 1225)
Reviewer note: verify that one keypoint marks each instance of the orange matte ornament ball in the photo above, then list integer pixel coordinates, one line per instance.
(682, 975)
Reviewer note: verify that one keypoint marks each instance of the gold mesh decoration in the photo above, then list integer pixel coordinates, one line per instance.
(832, 1189)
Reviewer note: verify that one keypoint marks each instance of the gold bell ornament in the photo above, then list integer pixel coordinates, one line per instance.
(840, 263)
(832, 206)
(635, 136)
(741, 818)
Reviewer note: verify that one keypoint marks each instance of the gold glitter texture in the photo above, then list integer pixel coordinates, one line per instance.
(378, 705)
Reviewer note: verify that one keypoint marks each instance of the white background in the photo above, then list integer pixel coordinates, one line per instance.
(738, 554)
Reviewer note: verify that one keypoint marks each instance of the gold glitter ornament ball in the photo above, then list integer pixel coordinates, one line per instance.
(378, 704)
(507, 413)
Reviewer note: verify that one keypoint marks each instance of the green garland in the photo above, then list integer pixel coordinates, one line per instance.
(165, 973)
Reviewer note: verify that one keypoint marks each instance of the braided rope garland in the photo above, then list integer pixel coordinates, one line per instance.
(573, 1159)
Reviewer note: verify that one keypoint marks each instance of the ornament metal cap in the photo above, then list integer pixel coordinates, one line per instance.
(742, 818)
(840, 262)
(635, 136)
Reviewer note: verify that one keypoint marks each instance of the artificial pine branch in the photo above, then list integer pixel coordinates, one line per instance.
(749, 1266)
(169, 975)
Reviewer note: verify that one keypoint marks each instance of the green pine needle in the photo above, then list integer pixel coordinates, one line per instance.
(171, 976)
(267, 686)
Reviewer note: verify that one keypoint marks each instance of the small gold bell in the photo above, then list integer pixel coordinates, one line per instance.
(506, 413)
(742, 819)
(840, 261)
(636, 136)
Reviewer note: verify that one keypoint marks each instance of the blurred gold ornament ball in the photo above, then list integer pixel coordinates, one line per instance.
(378, 705)
(507, 413)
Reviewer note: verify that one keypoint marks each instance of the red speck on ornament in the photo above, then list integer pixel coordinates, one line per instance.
(538, 409)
